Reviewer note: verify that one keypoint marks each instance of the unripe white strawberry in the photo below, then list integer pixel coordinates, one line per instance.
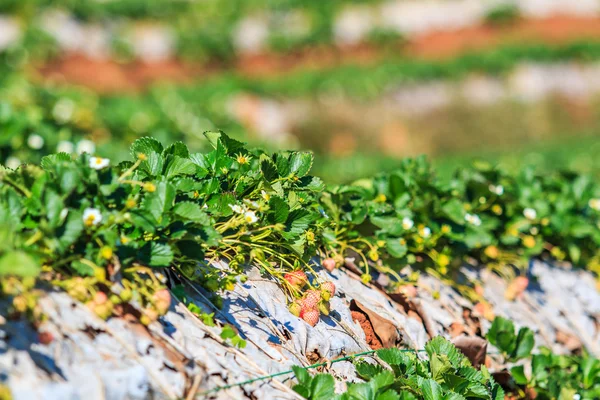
(311, 299)
(296, 278)
(295, 308)
(327, 290)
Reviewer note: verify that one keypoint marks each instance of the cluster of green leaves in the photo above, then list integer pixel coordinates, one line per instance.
(503, 14)
(410, 217)
(447, 374)
(552, 376)
(169, 207)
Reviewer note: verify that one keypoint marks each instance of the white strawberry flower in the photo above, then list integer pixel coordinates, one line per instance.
(12, 163)
(99, 162)
(266, 196)
(251, 203)
(92, 216)
(473, 219)
(407, 223)
(426, 232)
(530, 213)
(594, 204)
(64, 146)
(35, 141)
(499, 189)
(250, 217)
(86, 146)
(236, 208)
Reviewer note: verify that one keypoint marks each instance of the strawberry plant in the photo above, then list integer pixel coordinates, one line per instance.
(549, 376)
(91, 221)
(447, 374)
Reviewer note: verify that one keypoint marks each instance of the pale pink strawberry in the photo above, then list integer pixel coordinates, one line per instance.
(311, 317)
(521, 283)
(162, 301)
(100, 298)
(409, 291)
(329, 264)
(295, 308)
(328, 287)
(310, 300)
(296, 278)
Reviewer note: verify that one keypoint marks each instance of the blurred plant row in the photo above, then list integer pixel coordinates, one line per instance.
(217, 30)
(41, 119)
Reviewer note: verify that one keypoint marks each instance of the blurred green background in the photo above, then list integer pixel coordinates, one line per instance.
(362, 83)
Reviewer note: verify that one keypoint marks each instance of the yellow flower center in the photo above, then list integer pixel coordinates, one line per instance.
(89, 221)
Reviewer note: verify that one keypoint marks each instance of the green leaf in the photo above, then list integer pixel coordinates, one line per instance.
(439, 365)
(177, 149)
(156, 254)
(590, 371)
(382, 380)
(366, 370)
(518, 374)
(302, 375)
(145, 145)
(502, 335)
(441, 346)
(231, 146)
(160, 201)
(300, 163)
(525, 343)
(279, 209)
(18, 263)
(322, 387)
(54, 206)
(176, 165)
(48, 162)
(312, 183)
(361, 391)
(71, 231)
(394, 356)
(454, 210)
(388, 395)
(396, 247)
(431, 390)
(269, 169)
(192, 212)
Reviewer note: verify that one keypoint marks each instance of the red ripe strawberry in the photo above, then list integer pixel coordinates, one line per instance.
(296, 278)
(295, 308)
(311, 317)
(45, 337)
(328, 287)
(311, 299)
(329, 264)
